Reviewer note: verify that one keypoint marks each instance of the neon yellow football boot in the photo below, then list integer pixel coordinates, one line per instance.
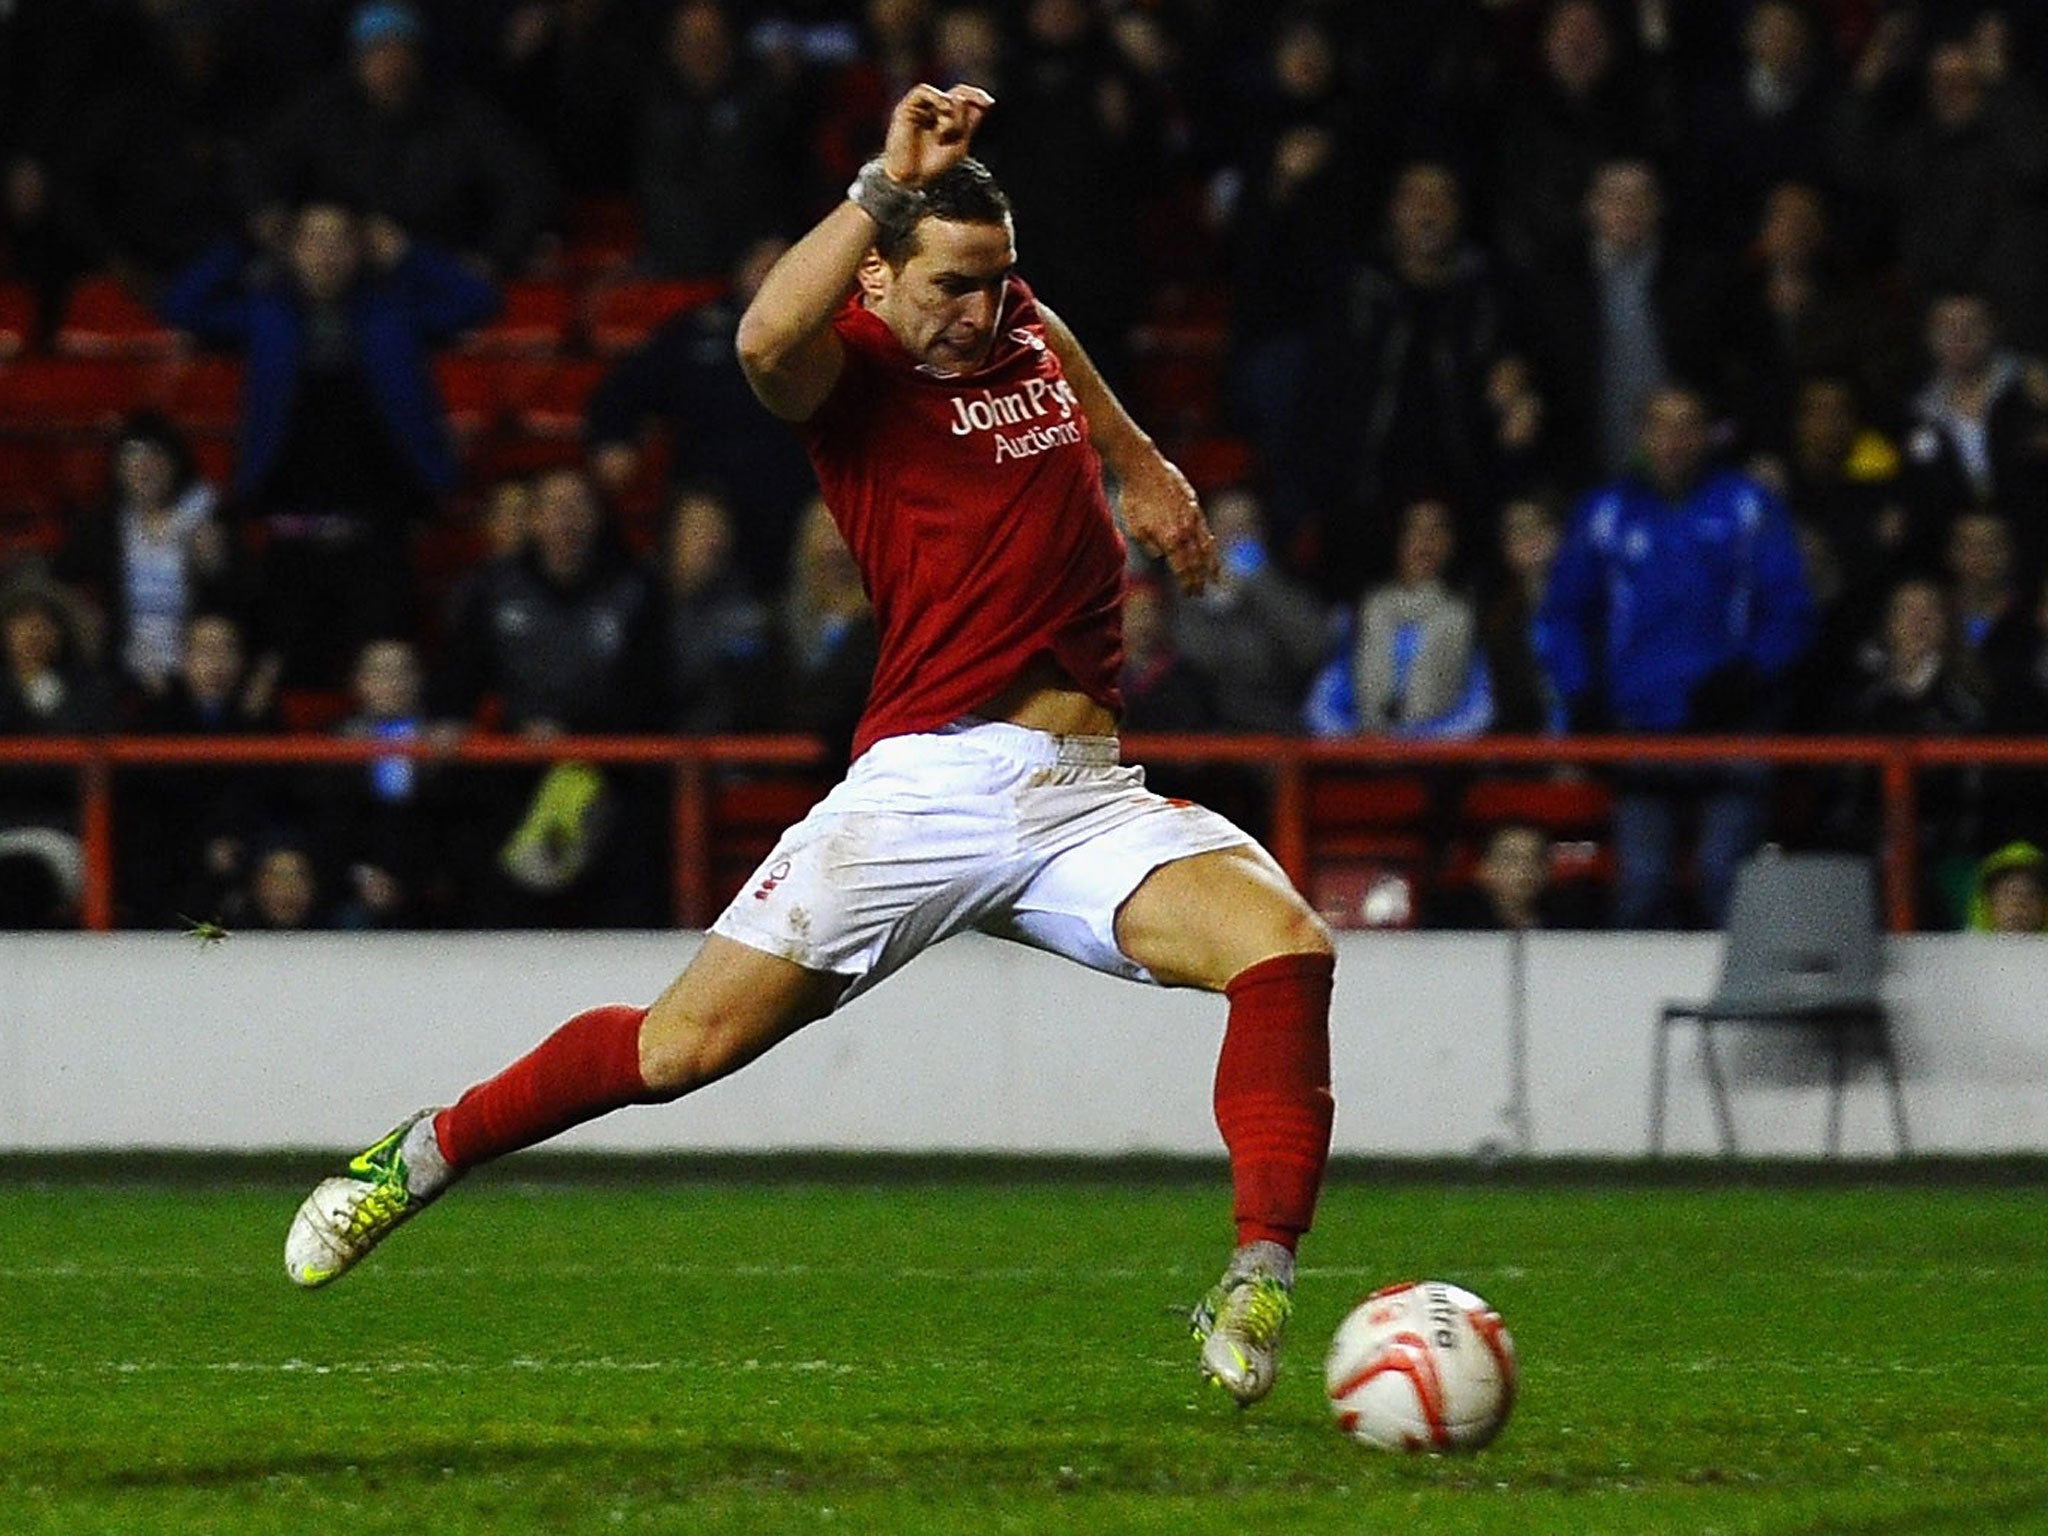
(344, 1218)
(1241, 1321)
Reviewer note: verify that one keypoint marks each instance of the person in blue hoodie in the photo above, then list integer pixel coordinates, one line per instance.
(1677, 604)
(345, 439)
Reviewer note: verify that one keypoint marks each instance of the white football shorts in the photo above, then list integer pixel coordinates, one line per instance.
(982, 825)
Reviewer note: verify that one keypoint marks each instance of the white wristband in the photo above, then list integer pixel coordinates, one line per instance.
(893, 206)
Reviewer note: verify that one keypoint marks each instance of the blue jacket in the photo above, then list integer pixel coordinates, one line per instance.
(1648, 597)
(398, 315)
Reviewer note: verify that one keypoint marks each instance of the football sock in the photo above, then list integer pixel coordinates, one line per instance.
(1273, 1101)
(587, 1067)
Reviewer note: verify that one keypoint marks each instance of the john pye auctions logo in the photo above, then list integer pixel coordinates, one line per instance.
(1026, 408)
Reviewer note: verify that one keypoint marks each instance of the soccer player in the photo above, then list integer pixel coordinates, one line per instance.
(958, 431)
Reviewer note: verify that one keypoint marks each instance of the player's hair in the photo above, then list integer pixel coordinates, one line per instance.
(965, 193)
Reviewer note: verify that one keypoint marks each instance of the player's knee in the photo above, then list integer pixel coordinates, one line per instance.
(1298, 930)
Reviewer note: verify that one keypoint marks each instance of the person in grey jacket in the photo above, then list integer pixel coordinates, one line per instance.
(1257, 635)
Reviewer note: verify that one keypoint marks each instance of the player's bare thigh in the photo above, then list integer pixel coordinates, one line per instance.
(1199, 921)
(731, 1003)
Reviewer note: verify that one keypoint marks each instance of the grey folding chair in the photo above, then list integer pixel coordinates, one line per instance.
(1802, 951)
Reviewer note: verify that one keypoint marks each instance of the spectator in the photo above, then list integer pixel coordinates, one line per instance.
(155, 553)
(1593, 101)
(1978, 433)
(1511, 890)
(1963, 178)
(1417, 667)
(828, 638)
(436, 160)
(2011, 895)
(344, 438)
(181, 829)
(1284, 208)
(1797, 311)
(1162, 692)
(1926, 685)
(1992, 621)
(49, 683)
(1256, 636)
(1524, 700)
(394, 825)
(562, 634)
(564, 639)
(686, 377)
(1760, 123)
(1071, 100)
(507, 521)
(1840, 478)
(1616, 316)
(1677, 603)
(48, 687)
(282, 890)
(565, 73)
(1424, 389)
(714, 165)
(717, 639)
(158, 159)
(895, 55)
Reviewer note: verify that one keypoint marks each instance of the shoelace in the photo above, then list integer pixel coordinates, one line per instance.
(1258, 1308)
(380, 1202)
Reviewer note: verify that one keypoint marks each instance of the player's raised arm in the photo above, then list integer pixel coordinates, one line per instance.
(1160, 509)
(786, 346)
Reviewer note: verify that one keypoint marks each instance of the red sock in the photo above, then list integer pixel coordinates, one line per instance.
(1273, 1101)
(587, 1067)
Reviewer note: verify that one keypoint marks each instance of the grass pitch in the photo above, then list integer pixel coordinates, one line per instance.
(994, 1354)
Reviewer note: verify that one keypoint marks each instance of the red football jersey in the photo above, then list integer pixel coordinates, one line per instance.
(973, 504)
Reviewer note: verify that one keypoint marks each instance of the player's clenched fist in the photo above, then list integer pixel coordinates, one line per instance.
(929, 131)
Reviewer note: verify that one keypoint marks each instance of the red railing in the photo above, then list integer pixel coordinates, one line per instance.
(1285, 762)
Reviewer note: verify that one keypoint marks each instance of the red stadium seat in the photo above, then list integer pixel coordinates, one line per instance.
(747, 816)
(1366, 893)
(624, 314)
(203, 394)
(470, 393)
(70, 393)
(552, 401)
(103, 319)
(538, 319)
(1559, 806)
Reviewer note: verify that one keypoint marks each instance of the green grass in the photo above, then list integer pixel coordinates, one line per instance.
(995, 1354)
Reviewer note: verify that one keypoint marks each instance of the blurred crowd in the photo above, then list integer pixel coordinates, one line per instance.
(1591, 365)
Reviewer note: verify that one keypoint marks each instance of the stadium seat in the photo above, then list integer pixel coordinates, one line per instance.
(747, 815)
(1369, 848)
(70, 393)
(1366, 893)
(203, 394)
(551, 400)
(103, 319)
(470, 393)
(538, 319)
(624, 314)
(1576, 812)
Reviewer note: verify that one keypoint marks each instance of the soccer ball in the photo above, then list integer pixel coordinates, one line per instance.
(1422, 1366)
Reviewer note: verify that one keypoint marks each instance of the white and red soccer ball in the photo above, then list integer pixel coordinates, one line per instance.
(1423, 1366)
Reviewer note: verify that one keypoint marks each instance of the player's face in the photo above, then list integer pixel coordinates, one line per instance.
(943, 301)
